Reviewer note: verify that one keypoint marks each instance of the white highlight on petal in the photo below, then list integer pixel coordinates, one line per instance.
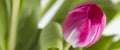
(75, 10)
(73, 38)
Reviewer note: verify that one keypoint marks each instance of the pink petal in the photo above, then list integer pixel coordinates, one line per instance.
(84, 25)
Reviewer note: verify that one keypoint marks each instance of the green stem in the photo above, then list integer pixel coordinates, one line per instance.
(66, 46)
(8, 6)
(13, 26)
(78, 49)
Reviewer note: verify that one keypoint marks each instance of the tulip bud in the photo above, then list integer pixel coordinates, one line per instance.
(84, 25)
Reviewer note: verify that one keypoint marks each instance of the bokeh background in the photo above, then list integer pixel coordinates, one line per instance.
(37, 24)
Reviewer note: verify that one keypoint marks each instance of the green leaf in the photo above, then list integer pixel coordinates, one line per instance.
(3, 25)
(118, 6)
(13, 25)
(103, 44)
(27, 31)
(9, 7)
(65, 8)
(35, 45)
(51, 37)
(115, 46)
(53, 49)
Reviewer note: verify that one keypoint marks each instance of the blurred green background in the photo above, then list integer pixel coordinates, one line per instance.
(36, 24)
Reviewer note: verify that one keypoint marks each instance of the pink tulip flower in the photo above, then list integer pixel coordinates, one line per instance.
(84, 25)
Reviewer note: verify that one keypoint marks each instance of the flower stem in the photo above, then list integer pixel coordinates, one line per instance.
(13, 26)
(66, 46)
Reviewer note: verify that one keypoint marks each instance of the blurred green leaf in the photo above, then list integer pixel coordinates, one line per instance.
(103, 44)
(36, 45)
(53, 49)
(118, 5)
(115, 46)
(51, 37)
(3, 25)
(9, 9)
(27, 26)
(13, 24)
(65, 8)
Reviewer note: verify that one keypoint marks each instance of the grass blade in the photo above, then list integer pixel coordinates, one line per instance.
(13, 26)
(27, 26)
(3, 25)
